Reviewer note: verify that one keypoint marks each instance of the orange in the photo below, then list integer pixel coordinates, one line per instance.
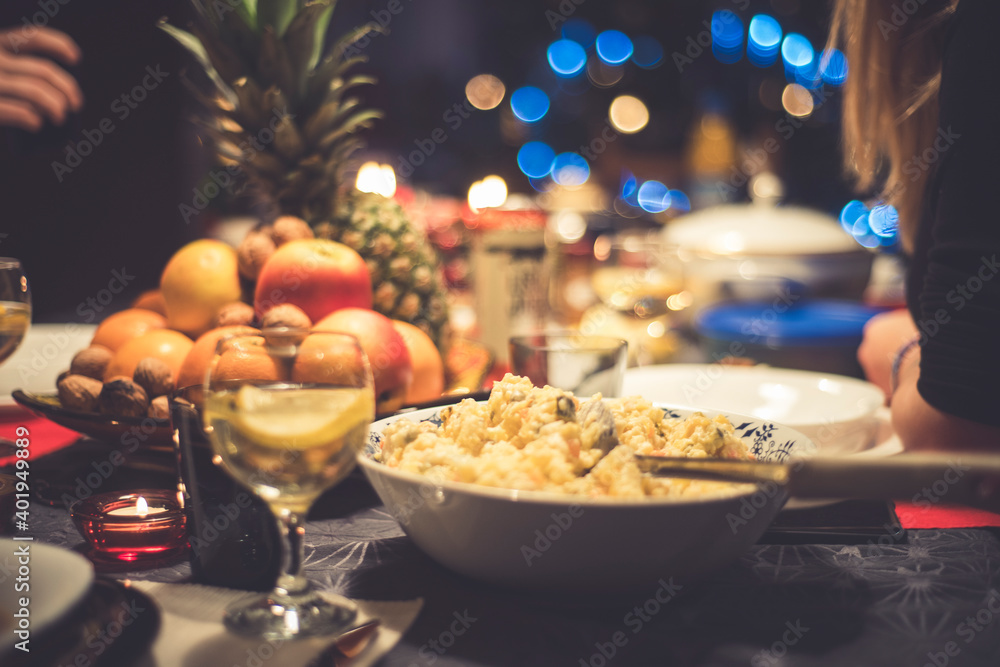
(196, 362)
(247, 360)
(199, 279)
(151, 300)
(329, 359)
(428, 367)
(121, 327)
(167, 345)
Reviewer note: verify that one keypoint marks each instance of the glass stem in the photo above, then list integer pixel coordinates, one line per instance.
(291, 580)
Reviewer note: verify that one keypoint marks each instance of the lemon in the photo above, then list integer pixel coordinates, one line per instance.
(300, 418)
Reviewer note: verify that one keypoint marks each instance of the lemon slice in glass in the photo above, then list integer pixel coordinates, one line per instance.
(300, 418)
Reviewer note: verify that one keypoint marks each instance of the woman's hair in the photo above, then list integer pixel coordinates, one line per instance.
(890, 108)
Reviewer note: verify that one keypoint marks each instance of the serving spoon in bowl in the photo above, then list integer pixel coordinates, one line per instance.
(960, 478)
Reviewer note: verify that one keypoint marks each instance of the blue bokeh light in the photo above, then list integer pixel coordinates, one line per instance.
(679, 201)
(884, 221)
(566, 57)
(727, 36)
(798, 55)
(529, 104)
(763, 40)
(862, 233)
(580, 31)
(534, 159)
(850, 215)
(654, 197)
(614, 47)
(629, 185)
(833, 67)
(647, 53)
(570, 169)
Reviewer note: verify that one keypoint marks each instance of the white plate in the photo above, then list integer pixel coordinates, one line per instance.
(58, 579)
(840, 414)
(45, 352)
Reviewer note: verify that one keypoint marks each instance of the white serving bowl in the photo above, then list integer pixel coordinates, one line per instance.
(839, 414)
(577, 544)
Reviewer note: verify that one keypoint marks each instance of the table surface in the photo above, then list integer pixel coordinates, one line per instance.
(932, 600)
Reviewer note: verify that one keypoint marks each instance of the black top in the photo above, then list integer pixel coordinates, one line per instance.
(953, 288)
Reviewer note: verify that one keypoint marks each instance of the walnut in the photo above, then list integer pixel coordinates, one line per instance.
(122, 397)
(255, 249)
(91, 361)
(234, 313)
(285, 315)
(154, 376)
(159, 408)
(289, 228)
(79, 392)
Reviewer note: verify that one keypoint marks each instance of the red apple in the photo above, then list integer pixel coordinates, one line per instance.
(386, 350)
(317, 275)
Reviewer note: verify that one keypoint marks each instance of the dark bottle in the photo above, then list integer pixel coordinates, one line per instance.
(232, 532)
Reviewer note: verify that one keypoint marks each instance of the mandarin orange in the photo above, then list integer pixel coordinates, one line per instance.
(196, 362)
(167, 345)
(428, 367)
(121, 327)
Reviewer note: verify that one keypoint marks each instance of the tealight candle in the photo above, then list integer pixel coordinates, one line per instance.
(132, 526)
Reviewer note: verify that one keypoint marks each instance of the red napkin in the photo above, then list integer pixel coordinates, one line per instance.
(944, 516)
(44, 436)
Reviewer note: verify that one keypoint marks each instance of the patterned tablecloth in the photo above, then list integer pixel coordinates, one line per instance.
(934, 600)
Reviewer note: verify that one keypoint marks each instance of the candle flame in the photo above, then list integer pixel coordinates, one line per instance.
(142, 507)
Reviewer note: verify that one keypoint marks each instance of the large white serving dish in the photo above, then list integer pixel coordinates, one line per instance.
(839, 414)
(57, 580)
(576, 544)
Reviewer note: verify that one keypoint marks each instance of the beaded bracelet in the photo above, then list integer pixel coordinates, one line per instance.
(897, 362)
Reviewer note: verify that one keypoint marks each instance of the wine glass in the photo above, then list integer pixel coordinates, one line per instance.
(287, 411)
(15, 318)
(15, 306)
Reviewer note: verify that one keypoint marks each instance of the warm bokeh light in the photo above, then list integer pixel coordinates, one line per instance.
(569, 226)
(487, 193)
(377, 178)
(603, 75)
(628, 114)
(485, 91)
(797, 100)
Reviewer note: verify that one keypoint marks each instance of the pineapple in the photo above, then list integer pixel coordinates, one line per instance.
(283, 116)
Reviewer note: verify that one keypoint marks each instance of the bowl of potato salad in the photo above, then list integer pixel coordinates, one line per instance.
(535, 487)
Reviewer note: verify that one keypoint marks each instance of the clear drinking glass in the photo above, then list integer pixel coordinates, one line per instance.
(287, 411)
(15, 306)
(581, 364)
(15, 318)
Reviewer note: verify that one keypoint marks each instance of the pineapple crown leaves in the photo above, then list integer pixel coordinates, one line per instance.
(268, 68)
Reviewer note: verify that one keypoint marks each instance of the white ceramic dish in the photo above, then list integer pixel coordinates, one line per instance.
(839, 414)
(58, 579)
(574, 544)
(45, 352)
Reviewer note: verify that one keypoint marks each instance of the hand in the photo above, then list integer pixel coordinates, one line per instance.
(33, 89)
(883, 336)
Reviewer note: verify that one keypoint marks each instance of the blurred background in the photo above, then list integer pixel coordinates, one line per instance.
(609, 119)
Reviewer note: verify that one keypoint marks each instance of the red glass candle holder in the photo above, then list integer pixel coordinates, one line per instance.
(132, 526)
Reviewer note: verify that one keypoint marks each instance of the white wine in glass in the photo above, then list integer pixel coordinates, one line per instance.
(15, 306)
(287, 412)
